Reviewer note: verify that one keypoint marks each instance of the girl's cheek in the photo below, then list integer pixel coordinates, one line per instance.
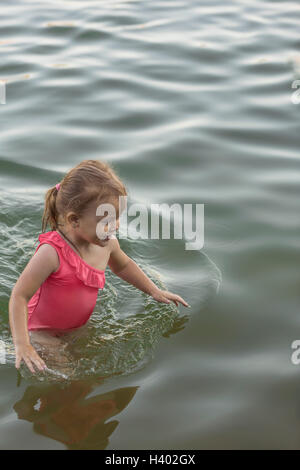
(100, 235)
(100, 230)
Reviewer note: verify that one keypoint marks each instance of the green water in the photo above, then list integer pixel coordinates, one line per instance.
(191, 102)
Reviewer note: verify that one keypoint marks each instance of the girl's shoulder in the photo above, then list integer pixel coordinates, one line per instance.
(49, 239)
(51, 236)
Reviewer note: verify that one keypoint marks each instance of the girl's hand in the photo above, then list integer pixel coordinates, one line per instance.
(166, 297)
(29, 356)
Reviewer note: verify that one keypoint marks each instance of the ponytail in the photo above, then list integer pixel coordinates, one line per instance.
(50, 213)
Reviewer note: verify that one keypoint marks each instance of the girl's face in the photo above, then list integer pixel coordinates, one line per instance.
(97, 228)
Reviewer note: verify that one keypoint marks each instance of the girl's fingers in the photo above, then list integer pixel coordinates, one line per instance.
(29, 365)
(165, 300)
(38, 364)
(42, 365)
(169, 301)
(182, 301)
(39, 361)
(177, 298)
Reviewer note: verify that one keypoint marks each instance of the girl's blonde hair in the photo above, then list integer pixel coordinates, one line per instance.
(90, 180)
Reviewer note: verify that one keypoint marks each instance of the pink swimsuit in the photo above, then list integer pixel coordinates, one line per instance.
(66, 299)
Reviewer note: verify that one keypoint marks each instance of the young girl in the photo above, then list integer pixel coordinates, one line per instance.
(57, 291)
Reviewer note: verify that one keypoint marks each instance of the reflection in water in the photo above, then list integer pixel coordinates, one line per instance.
(63, 413)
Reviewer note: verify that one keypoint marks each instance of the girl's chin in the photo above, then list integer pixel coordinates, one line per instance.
(102, 241)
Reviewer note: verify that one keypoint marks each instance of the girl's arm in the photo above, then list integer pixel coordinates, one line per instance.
(41, 265)
(127, 269)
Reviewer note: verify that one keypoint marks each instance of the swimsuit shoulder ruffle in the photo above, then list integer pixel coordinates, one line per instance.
(87, 274)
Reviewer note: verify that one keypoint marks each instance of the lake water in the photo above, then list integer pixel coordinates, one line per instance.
(191, 102)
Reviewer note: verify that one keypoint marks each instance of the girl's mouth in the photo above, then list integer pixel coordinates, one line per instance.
(106, 239)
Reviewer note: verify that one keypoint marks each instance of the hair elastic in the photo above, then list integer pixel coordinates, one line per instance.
(57, 186)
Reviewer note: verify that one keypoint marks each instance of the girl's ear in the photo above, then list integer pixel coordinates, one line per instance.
(72, 218)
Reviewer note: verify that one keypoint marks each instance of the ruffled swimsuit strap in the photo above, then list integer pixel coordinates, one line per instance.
(90, 276)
